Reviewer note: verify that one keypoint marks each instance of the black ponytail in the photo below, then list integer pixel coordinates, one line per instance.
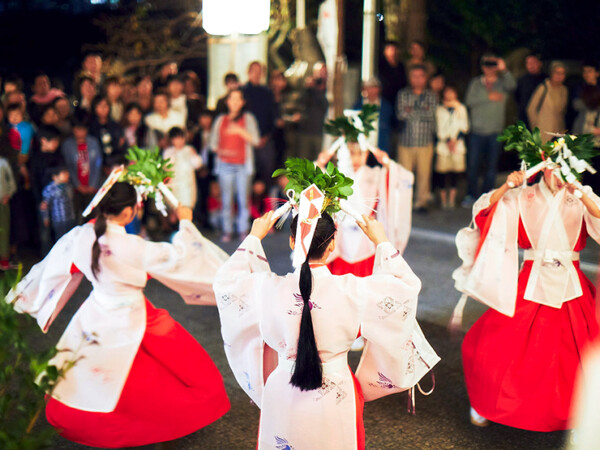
(119, 197)
(99, 229)
(308, 373)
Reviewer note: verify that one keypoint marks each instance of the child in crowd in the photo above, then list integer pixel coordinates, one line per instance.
(258, 199)
(83, 157)
(22, 207)
(7, 188)
(452, 125)
(214, 204)
(21, 132)
(185, 162)
(57, 208)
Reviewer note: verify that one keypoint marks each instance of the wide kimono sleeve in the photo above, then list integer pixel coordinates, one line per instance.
(492, 278)
(44, 291)
(396, 354)
(592, 223)
(238, 290)
(188, 265)
(394, 209)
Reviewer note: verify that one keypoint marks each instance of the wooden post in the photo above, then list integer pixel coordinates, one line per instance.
(368, 46)
(338, 80)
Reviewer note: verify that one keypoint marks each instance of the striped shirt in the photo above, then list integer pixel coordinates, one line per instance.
(417, 116)
(59, 198)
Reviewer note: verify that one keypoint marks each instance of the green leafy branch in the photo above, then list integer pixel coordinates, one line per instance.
(147, 169)
(528, 145)
(301, 173)
(343, 125)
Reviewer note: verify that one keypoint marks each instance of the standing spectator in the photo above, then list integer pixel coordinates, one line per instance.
(114, 90)
(232, 138)
(196, 102)
(205, 176)
(590, 97)
(231, 82)
(486, 99)
(49, 116)
(136, 132)
(527, 84)
(91, 67)
(261, 104)
(86, 92)
(45, 154)
(280, 89)
(590, 83)
(452, 125)
(163, 118)
(371, 95)
(417, 57)
(22, 212)
(177, 99)
(8, 187)
(20, 134)
(108, 132)
(548, 104)
(144, 95)
(185, 162)
(416, 113)
(437, 84)
(313, 110)
(391, 72)
(12, 83)
(43, 96)
(166, 71)
(57, 203)
(64, 111)
(83, 157)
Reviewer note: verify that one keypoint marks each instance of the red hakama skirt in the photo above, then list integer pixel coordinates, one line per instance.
(172, 390)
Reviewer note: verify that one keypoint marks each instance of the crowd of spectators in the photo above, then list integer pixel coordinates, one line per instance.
(56, 148)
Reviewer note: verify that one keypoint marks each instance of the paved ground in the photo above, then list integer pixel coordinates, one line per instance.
(441, 421)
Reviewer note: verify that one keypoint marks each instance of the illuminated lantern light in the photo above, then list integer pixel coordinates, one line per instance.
(226, 17)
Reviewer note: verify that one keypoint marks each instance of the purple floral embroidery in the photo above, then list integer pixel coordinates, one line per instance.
(105, 250)
(227, 300)
(328, 386)
(390, 305)
(282, 444)
(299, 305)
(384, 382)
(90, 338)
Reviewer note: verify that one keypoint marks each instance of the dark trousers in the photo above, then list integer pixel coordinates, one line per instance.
(482, 148)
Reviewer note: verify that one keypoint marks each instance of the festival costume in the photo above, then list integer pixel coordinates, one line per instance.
(260, 322)
(385, 192)
(521, 357)
(139, 377)
(260, 317)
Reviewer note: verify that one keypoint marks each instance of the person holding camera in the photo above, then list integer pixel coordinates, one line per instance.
(314, 106)
(486, 99)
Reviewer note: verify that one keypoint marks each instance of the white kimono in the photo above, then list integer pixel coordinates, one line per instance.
(553, 224)
(388, 192)
(183, 184)
(114, 314)
(260, 312)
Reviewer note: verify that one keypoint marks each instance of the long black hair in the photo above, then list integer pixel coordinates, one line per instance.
(119, 197)
(308, 373)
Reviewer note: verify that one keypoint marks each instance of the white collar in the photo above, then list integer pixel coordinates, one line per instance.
(115, 227)
(547, 193)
